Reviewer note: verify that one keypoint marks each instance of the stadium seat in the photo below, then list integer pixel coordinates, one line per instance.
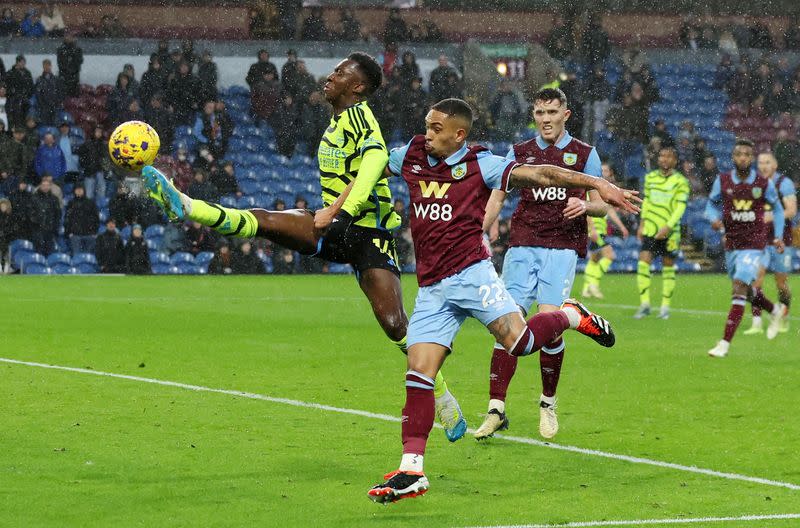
(20, 245)
(37, 268)
(79, 258)
(59, 258)
(155, 230)
(87, 267)
(203, 258)
(161, 269)
(61, 268)
(186, 268)
(25, 260)
(181, 257)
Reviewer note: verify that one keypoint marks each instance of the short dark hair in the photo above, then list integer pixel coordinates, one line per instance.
(744, 142)
(548, 94)
(670, 148)
(370, 69)
(455, 108)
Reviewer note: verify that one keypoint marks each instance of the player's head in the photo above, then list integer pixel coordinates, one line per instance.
(550, 113)
(358, 76)
(667, 158)
(767, 164)
(743, 154)
(447, 126)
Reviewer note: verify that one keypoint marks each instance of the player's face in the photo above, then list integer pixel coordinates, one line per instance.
(550, 117)
(667, 160)
(743, 157)
(343, 81)
(444, 134)
(767, 165)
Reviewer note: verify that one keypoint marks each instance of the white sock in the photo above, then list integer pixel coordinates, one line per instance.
(757, 322)
(573, 315)
(777, 309)
(411, 462)
(724, 344)
(500, 405)
(549, 400)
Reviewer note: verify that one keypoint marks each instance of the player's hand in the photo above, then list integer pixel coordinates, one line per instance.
(575, 208)
(322, 219)
(779, 245)
(716, 225)
(662, 233)
(623, 199)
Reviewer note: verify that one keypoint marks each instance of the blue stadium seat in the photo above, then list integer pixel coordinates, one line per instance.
(20, 245)
(246, 202)
(181, 257)
(186, 268)
(87, 267)
(61, 268)
(203, 258)
(25, 260)
(159, 257)
(155, 230)
(228, 201)
(161, 269)
(81, 258)
(36, 268)
(58, 258)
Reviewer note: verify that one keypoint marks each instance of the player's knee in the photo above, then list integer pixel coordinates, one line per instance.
(395, 326)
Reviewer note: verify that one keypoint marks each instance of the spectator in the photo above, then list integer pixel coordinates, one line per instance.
(119, 99)
(222, 262)
(122, 207)
(388, 59)
(22, 209)
(198, 238)
(660, 131)
(154, 80)
(20, 162)
(727, 44)
(110, 27)
(207, 73)
(597, 92)
(161, 120)
(395, 29)
(304, 84)
(777, 99)
(31, 26)
(70, 58)
(431, 32)
(708, 172)
(8, 24)
(46, 218)
(315, 118)
(787, 154)
(93, 155)
(408, 69)
(49, 94)
(8, 182)
(264, 97)
(182, 171)
(283, 261)
(595, 46)
(137, 258)
(182, 94)
(688, 169)
(202, 189)
(350, 26)
(438, 86)
(225, 180)
(245, 262)
(68, 146)
(187, 53)
(561, 42)
(55, 189)
(129, 70)
(32, 138)
(285, 122)
(109, 249)
(174, 63)
(53, 21)
(3, 113)
(314, 27)
(413, 107)
(761, 80)
(19, 83)
(287, 17)
(174, 239)
(50, 159)
(289, 71)
(506, 111)
(81, 222)
(8, 232)
(791, 38)
(259, 24)
(258, 69)
(725, 73)
(760, 37)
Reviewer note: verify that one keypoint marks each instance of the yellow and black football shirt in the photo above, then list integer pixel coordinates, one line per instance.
(664, 203)
(349, 136)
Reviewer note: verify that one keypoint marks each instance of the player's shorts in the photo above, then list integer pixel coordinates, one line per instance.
(544, 275)
(442, 307)
(777, 262)
(362, 247)
(744, 264)
(667, 247)
(597, 246)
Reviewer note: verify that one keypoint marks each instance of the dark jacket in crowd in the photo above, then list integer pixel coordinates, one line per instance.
(9, 230)
(81, 217)
(137, 258)
(110, 252)
(46, 212)
(22, 209)
(70, 58)
(257, 71)
(91, 156)
(153, 81)
(246, 264)
(49, 97)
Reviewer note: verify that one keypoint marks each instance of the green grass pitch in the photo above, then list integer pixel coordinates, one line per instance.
(84, 450)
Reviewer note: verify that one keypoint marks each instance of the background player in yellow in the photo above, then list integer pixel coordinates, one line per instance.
(666, 192)
(352, 228)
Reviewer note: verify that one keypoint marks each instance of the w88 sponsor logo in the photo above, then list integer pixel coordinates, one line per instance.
(549, 193)
(434, 211)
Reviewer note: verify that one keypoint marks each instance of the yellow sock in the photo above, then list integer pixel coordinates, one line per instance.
(643, 282)
(592, 274)
(668, 286)
(604, 264)
(401, 344)
(233, 222)
(439, 385)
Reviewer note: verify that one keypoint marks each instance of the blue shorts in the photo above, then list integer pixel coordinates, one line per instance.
(442, 307)
(539, 274)
(777, 262)
(743, 264)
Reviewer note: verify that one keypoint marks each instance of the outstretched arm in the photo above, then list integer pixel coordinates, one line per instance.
(323, 217)
(527, 176)
(493, 208)
(371, 170)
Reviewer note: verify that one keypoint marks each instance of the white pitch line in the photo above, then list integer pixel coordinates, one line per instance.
(645, 522)
(390, 418)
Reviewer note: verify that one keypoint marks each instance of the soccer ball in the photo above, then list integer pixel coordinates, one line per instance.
(133, 145)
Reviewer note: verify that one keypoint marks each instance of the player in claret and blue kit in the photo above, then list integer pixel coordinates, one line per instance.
(449, 186)
(737, 203)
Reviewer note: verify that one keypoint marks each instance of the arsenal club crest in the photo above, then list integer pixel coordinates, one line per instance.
(570, 158)
(756, 192)
(459, 171)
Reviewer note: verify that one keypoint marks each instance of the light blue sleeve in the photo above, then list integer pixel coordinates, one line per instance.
(593, 164)
(777, 209)
(714, 205)
(495, 170)
(511, 154)
(787, 188)
(396, 157)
